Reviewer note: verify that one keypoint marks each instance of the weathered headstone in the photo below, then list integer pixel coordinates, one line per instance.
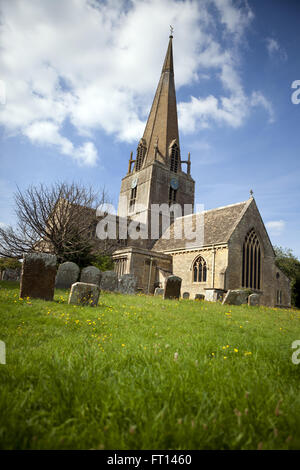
(236, 297)
(109, 281)
(67, 274)
(253, 300)
(186, 295)
(159, 291)
(85, 294)
(213, 295)
(91, 275)
(127, 284)
(199, 297)
(172, 287)
(38, 276)
(11, 275)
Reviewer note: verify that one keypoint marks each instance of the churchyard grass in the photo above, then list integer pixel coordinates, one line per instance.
(138, 372)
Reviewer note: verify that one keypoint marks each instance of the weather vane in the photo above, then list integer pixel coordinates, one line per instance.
(171, 30)
(251, 192)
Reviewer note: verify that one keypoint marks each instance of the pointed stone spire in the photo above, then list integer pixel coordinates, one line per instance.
(162, 125)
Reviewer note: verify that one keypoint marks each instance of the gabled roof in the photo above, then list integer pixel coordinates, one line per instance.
(218, 224)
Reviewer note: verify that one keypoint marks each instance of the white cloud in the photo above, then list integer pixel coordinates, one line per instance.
(47, 133)
(274, 49)
(95, 66)
(275, 227)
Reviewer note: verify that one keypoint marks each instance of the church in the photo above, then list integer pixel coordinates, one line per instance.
(234, 250)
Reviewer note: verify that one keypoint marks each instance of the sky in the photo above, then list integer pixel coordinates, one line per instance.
(77, 80)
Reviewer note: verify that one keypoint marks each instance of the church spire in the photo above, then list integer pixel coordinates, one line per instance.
(161, 131)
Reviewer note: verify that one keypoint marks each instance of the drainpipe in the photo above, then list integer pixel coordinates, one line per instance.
(213, 267)
(149, 277)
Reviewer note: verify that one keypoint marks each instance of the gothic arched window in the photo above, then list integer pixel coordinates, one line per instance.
(199, 270)
(140, 155)
(251, 269)
(174, 157)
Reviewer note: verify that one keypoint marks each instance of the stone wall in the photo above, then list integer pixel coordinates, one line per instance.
(183, 267)
(233, 278)
(139, 262)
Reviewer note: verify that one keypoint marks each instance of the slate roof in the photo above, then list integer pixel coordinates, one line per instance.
(218, 224)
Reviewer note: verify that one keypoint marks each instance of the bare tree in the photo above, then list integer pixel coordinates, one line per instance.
(60, 219)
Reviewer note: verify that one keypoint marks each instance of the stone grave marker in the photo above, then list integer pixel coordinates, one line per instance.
(38, 276)
(91, 275)
(84, 294)
(109, 281)
(172, 287)
(127, 284)
(67, 274)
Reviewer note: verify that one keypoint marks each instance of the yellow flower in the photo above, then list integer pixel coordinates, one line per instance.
(225, 357)
(236, 350)
(123, 345)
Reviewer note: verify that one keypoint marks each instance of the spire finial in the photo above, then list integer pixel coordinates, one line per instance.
(171, 31)
(251, 193)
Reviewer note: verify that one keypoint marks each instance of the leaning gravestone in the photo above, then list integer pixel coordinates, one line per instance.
(236, 297)
(159, 291)
(67, 274)
(199, 297)
(253, 300)
(186, 295)
(11, 275)
(38, 276)
(127, 284)
(172, 287)
(85, 294)
(109, 281)
(91, 275)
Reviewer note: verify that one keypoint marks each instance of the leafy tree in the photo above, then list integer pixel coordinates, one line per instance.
(102, 262)
(9, 263)
(290, 266)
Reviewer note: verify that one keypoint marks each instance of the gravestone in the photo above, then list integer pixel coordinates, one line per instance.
(127, 284)
(11, 275)
(38, 276)
(172, 287)
(84, 294)
(159, 291)
(186, 295)
(91, 275)
(67, 274)
(109, 281)
(253, 300)
(236, 297)
(199, 297)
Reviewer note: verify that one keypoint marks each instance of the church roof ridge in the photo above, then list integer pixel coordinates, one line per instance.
(215, 209)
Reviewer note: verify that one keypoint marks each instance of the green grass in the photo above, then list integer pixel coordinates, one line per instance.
(107, 377)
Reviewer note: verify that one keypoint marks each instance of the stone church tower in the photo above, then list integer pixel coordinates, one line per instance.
(235, 250)
(156, 176)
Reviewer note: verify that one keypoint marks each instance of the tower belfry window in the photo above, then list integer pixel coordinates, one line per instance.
(174, 157)
(251, 268)
(172, 195)
(140, 155)
(132, 198)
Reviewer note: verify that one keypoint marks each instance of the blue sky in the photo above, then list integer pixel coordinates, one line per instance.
(78, 78)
